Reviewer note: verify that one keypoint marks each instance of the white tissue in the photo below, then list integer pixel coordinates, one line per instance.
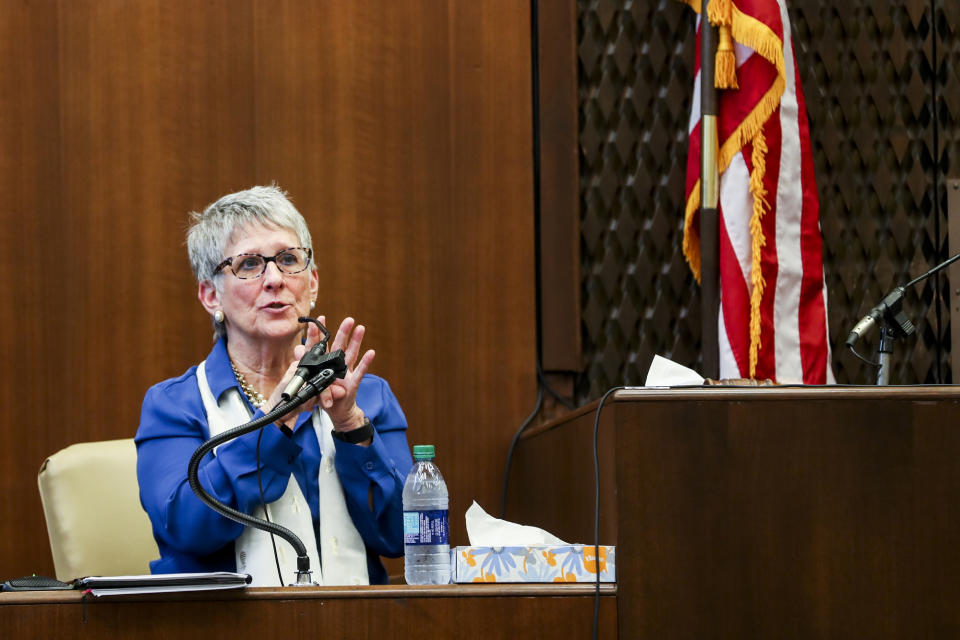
(667, 373)
(484, 530)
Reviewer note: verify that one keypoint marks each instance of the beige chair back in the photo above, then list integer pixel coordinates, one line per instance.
(91, 502)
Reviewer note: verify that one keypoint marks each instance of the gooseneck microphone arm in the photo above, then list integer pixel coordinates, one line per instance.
(893, 322)
(334, 367)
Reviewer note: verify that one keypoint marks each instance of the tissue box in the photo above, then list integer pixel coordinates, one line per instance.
(541, 563)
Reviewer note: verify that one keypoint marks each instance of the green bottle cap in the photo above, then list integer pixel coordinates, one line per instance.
(423, 451)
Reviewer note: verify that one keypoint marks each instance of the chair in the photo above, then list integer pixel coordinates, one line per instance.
(91, 502)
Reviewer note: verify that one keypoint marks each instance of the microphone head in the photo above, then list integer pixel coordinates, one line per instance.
(296, 382)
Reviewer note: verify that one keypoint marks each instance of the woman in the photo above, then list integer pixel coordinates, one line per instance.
(343, 454)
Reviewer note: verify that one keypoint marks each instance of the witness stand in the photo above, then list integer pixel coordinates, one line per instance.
(762, 512)
(380, 612)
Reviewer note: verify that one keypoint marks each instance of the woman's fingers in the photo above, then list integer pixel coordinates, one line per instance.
(313, 337)
(339, 399)
(349, 338)
(325, 399)
(341, 395)
(343, 334)
(353, 348)
(332, 395)
(361, 369)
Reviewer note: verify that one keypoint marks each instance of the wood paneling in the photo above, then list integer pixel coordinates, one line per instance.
(400, 166)
(34, 322)
(402, 134)
(559, 187)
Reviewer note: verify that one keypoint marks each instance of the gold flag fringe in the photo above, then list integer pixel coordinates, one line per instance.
(760, 205)
(719, 11)
(759, 37)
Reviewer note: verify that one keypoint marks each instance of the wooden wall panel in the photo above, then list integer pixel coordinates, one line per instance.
(157, 120)
(403, 135)
(422, 214)
(560, 320)
(30, 328)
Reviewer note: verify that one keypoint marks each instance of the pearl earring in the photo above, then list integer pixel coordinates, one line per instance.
(313, 303)
(218, 316)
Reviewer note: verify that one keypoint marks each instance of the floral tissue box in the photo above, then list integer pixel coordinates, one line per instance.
(547, 563)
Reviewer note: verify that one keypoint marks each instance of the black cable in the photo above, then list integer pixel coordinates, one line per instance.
(513, 444)
(566, 402)
(541, 385)
(870, 362)
(314, 386)
(538, 286)
(266, 514)
(936, 269)
(226, 510)
(596, 510)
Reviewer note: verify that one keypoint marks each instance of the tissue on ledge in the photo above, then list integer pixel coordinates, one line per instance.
(483, 530)
(503, 551)
(667, 373)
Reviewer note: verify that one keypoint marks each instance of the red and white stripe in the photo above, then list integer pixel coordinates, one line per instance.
(794, 341)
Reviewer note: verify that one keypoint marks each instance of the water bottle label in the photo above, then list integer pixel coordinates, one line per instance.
(425, 527)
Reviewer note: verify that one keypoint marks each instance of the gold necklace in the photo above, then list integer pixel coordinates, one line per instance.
(255, 397)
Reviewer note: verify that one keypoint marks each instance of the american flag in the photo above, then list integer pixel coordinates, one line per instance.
(773, 299)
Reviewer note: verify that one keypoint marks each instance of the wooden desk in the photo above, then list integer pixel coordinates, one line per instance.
(763, 512)
(380, 613)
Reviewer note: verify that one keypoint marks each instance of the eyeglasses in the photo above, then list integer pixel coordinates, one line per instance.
(247, 266)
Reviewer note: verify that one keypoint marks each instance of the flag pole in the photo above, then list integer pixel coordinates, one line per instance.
(709, 198)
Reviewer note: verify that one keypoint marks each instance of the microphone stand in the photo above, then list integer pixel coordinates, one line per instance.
(334, 366)
(884, 354)
(894, 323)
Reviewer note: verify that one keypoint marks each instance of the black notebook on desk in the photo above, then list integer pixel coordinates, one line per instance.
(162, 583)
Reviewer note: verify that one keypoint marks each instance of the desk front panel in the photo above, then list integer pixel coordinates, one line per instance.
(383, 613)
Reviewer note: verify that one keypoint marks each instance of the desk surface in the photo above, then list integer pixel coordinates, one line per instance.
(381, 612)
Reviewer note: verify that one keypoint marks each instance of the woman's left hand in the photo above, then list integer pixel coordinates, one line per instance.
(289, 420)
(339, 400)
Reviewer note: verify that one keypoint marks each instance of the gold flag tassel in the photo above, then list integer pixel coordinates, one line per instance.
(720, 13)
(725, 68)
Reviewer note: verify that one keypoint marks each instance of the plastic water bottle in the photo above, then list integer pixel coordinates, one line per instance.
(426, 541)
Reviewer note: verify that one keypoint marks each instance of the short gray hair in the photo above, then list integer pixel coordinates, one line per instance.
(211, 231)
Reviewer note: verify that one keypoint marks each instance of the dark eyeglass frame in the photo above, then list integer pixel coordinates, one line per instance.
(266, 260)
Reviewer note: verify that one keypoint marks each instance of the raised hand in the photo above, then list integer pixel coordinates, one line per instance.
(313, 337)
(339, 399)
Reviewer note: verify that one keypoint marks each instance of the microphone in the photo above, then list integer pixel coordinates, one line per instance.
(303, 372)
(312, 363)
(868, 322)
(890, 311)
(315, 385)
